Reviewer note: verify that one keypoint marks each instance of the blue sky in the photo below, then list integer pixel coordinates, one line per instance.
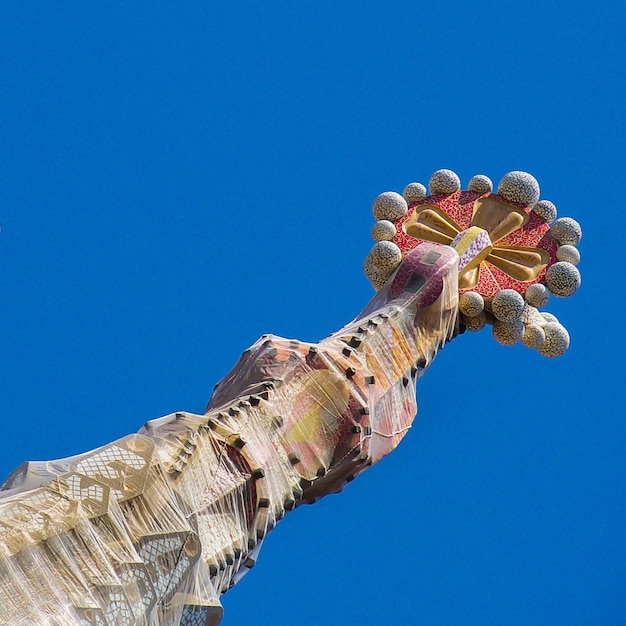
(178, 179)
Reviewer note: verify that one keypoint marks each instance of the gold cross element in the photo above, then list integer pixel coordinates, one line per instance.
(493, 216)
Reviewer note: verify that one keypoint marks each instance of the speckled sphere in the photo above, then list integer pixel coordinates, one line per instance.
(471, 303)
(508, 333)
(389, 206)
(414, 192)
(384, 230)
(545, 210)
(508, 305)
(563, 279)
(549, 318)
(519, 187)
(480, 184)
(568, 253)
(444, 181)
(533, 336)
(537, 295)
(379, 283)
(376, 276)
(532, 316)
(386, 256)
(475, 323)
(566, 231)
(556, 342)
(369, 269)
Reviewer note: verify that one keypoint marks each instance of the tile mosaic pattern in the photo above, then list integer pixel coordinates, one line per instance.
(459, 208)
